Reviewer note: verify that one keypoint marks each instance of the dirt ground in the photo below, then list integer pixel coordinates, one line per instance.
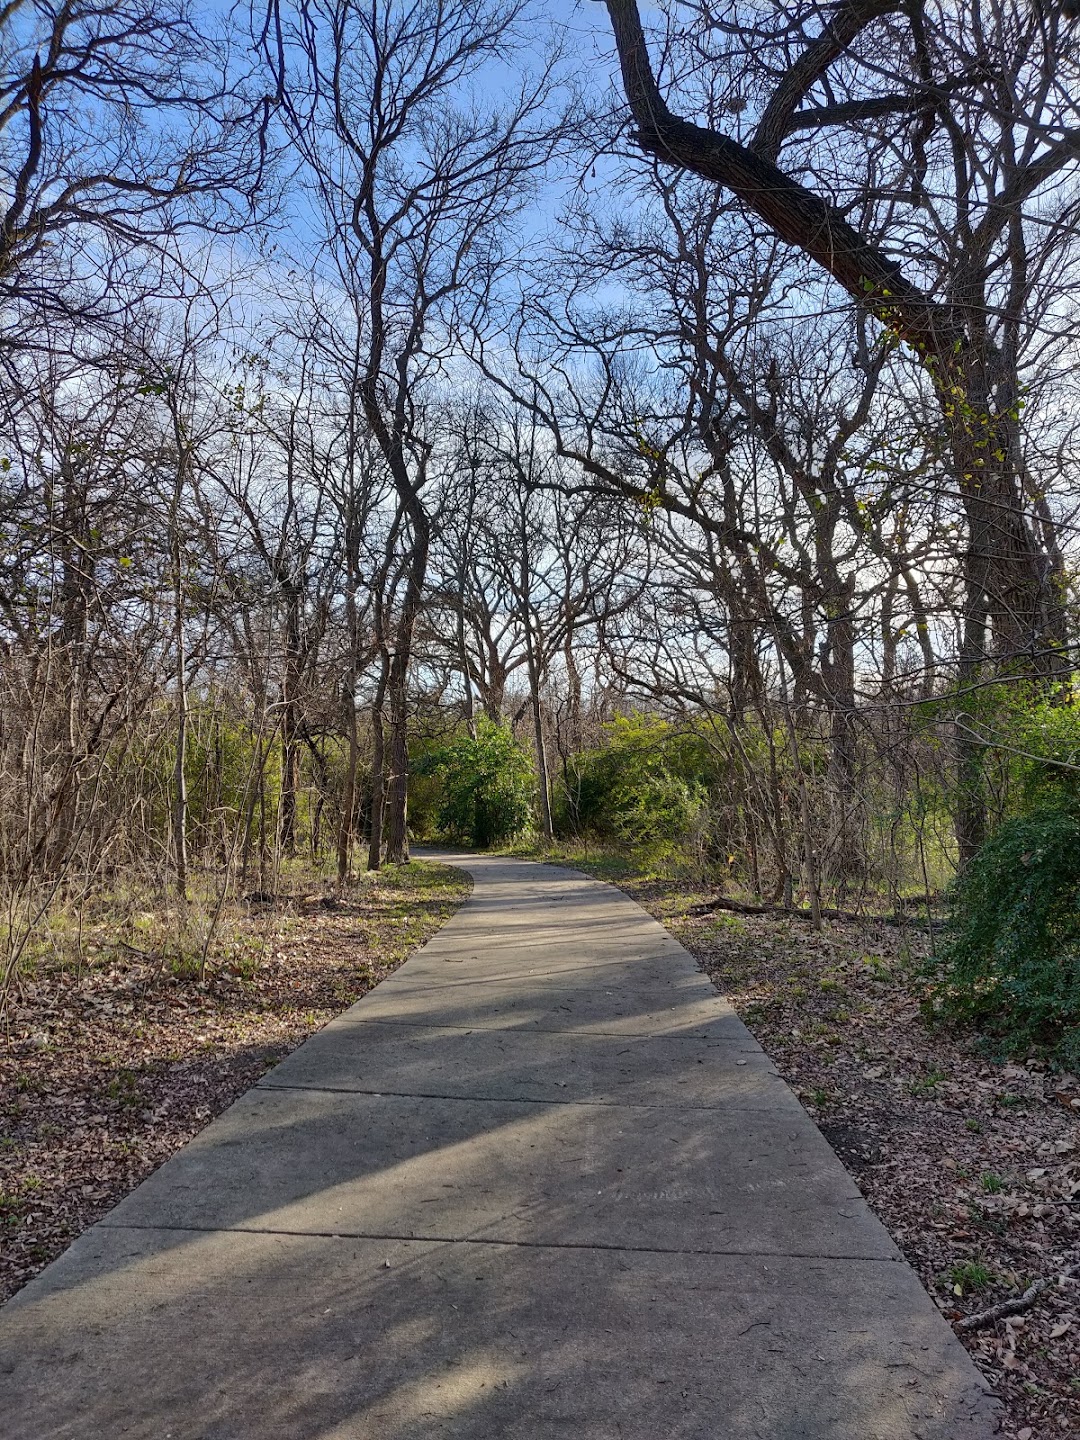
(106, 1070)
(973, 1165)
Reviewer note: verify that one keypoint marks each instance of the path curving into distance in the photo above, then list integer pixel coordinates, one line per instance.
(540, 1184)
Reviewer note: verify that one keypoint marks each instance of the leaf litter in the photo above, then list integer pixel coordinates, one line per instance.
(106, 1070)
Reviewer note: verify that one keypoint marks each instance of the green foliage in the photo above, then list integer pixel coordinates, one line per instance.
(487, 785)
(1011, 957)
(1047, 732)
(1027, 736)
(969, 1275)
(644, 786)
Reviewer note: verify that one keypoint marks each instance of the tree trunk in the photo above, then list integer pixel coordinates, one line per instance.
(378, 770)
(397, 838)
(290, 725)
(970, 815)
(542, 776)
(347, 827)
(180, 795)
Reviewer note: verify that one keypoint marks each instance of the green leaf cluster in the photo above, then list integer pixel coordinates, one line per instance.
(1010, 962)
(646, 785)
(487, 785)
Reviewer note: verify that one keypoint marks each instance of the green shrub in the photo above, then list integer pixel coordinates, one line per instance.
(1045, 733)
(643, 786)
(1010, 960)
(487, 785)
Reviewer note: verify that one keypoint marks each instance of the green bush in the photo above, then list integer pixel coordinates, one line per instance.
(1010, 961)
(1045, 734)
(644, 786)
(487, 785)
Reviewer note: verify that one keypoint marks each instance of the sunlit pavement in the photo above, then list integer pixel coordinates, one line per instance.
(541, 1182)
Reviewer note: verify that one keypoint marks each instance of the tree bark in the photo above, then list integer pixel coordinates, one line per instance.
(378, 769)
(290, 724)
(347, 827)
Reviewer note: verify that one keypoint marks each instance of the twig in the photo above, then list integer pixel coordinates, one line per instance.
(158, 959)
(781, 912)
(1023, 1302)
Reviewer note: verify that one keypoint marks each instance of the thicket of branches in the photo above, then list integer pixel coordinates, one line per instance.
(377, 368)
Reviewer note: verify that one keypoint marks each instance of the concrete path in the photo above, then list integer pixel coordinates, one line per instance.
(540, 1184)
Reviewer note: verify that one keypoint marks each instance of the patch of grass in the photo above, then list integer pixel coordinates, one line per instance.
(925, 1086)
(759, 1010)
(983, 1220)
(15, 1200)
(123, 1089)
(603, 864)
(969, 1275)
(720, 927)
(991, 1183)
(975, 1126)
(879, 967)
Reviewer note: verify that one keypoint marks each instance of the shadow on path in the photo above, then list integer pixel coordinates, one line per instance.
(540, 1183)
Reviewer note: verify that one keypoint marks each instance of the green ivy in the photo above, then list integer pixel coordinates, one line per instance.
(1010, 961)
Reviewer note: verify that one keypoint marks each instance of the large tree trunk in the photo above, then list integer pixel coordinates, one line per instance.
(347, 827)
(397, 840)
(969, 820)
(543, 778)
(533, 664)
(180, 795)
(397, 837)
(838, 674)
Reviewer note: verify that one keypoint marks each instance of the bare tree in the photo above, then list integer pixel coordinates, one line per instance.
(418, 185)
(123, 125)
(981, 132)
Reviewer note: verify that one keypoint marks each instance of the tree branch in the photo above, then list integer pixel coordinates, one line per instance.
(795, 214)
(847, 20)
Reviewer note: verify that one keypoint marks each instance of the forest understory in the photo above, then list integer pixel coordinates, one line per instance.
(972, 1164)
(107, 1069)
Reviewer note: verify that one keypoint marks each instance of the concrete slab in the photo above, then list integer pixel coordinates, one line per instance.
(159, 1335)
(540, 1174)
(506, 1064)
(546, 1003)
(541, 1183)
